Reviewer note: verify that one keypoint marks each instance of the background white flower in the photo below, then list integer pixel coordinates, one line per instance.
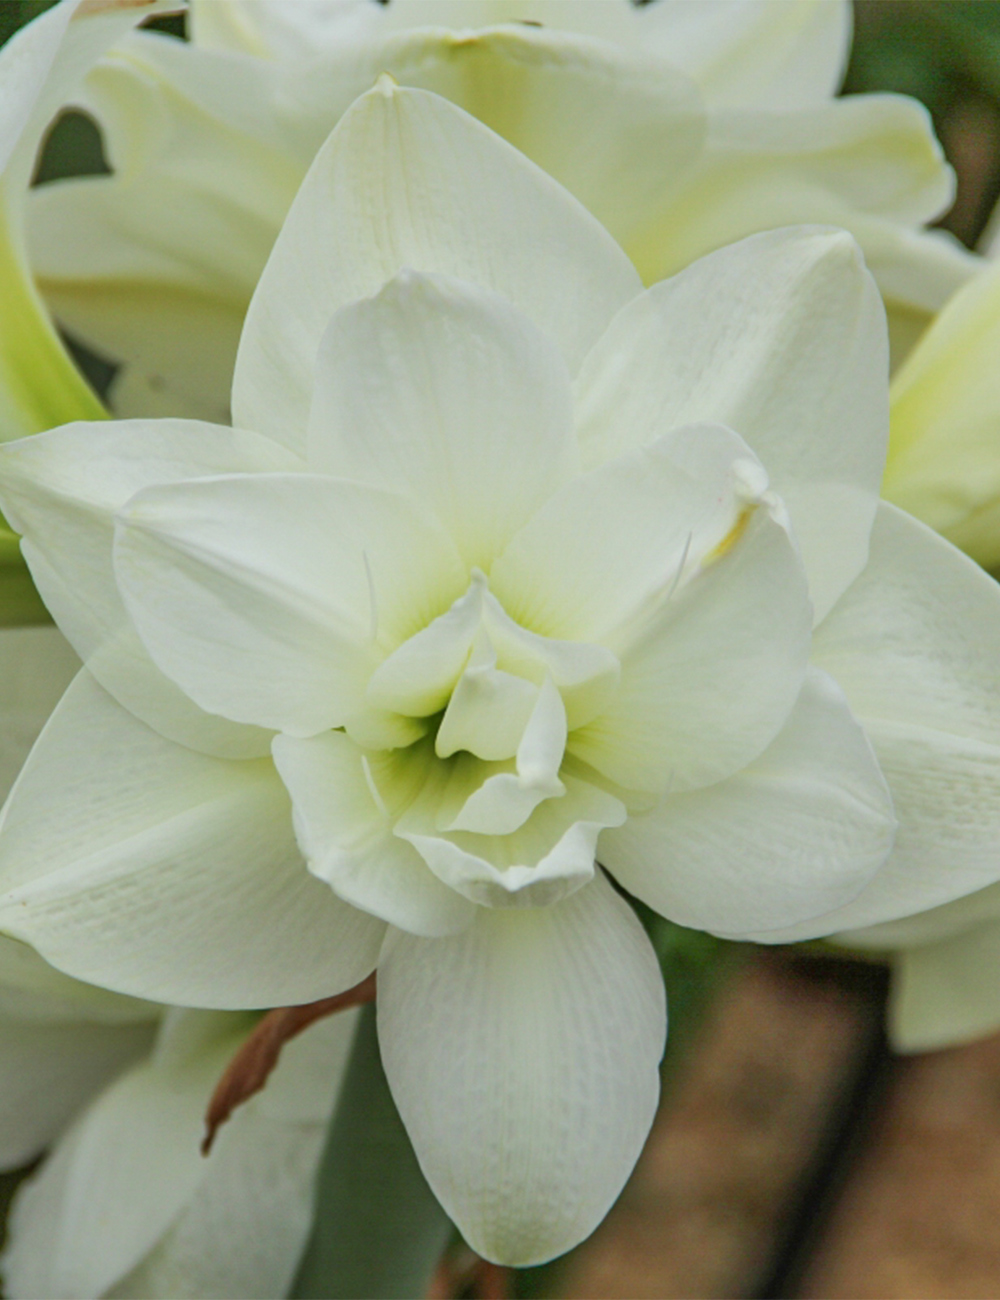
(682, 127)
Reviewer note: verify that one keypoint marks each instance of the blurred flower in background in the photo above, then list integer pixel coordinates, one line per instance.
(681, 127)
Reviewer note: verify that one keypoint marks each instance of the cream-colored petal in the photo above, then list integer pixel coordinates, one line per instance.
(782, 338)
(61, 490)
(911, 644)
(271, 597)
(798, 831)
(440, 389)
(165, 873)
(452, 198)
(523, 1056)
(344, 802)
(944, 463)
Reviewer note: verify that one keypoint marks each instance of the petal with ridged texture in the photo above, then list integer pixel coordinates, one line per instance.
(168, 874)
(61, 489)
(800, 830)
(344, 800)
(271, 597)
(781, 337)
(443, 390)
(523, 1056)
(429, 171)
(912, 645)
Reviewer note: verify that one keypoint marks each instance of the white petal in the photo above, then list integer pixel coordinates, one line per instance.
(444, 391)
(782, 338)
(616, 127)
(863, 162)
(165, 873)
(153, 267)
(49, 1071)
(31, 989)
(912, 643)
(119, 1178)
(452, 198)
(943, 464)
(267, 596)
(269, 30)
(946, 993)
(709, 680)
(538, 861)
(36, 666)
(752, 52)
(41, 68)
(61, 489)
(797, 832)
(344, 801)
(615, 540)
(523, 1056)
(242, 1231)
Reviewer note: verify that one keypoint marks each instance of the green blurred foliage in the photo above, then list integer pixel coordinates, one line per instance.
(15, 13)
(946, 53)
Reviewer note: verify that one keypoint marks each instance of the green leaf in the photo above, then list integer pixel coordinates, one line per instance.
(20, 603)
(379, 1232)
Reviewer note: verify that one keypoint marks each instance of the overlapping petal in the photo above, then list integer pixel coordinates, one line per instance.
(445, 392)
(401, 171)
(344, 801)
(794, 834)
(268, 596)
(61, 490)
(943, 465)
(752, 52)
(523, 1056)
(520, 852)
(782, 338)
(41, 68)
(709, 678)
(148, 1119)
(168, 873)
(615, 541)
(49, 1071)
(912, 645)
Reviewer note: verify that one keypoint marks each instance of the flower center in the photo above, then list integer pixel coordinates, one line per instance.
(503, 701)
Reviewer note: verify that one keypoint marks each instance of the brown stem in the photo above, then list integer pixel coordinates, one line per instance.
(249, 1069)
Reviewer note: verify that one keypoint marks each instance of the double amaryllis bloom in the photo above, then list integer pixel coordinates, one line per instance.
(507, 565)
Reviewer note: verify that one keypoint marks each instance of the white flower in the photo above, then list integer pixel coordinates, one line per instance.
(682, 127)
(117, 1089)
(505, 559)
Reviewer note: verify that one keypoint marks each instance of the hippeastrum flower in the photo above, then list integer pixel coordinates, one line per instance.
(96, 1078)
(682, 127)
(506, 564)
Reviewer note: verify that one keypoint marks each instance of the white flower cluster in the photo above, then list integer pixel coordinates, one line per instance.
(490, 531)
